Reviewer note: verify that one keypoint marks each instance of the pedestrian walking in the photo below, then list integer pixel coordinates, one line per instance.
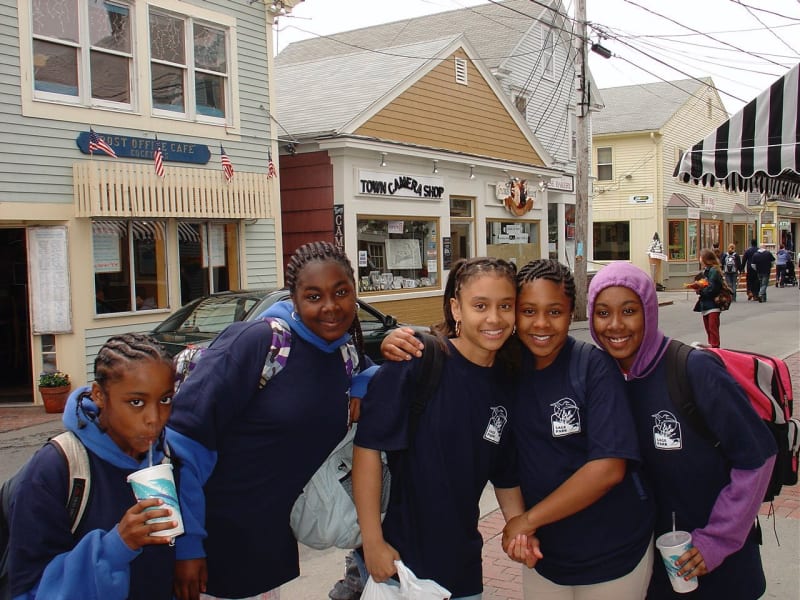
(762, 261)
(782, 257)
(732, 267)
(751, 277)
(707, 285)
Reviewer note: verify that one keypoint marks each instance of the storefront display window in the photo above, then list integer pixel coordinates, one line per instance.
(130, 266)
(710, 234)
(397, 253)
(676, 244)
(612, 240)
(209, 258)
(517, 241)
(691, 245)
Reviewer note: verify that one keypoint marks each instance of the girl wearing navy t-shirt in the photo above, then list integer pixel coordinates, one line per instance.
(461, 440)
(578, 457)
(113, 554)
(714, 490)
(250, 449)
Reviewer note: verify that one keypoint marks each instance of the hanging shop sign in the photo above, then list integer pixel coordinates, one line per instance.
(565, 183)
(372, 183)
(125, 146)
(338, 227)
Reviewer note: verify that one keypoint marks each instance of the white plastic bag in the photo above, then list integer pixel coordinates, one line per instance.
(410, 587)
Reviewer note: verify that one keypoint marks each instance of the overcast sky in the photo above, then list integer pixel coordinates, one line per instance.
(747, 43)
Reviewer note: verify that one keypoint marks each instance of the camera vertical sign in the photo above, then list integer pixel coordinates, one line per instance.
(338, 226)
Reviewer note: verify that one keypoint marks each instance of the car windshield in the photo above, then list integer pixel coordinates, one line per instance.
(214, 314)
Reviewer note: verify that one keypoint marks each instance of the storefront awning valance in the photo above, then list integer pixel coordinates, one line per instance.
(757, 149)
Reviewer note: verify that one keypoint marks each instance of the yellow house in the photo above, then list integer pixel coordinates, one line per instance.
(637, 141)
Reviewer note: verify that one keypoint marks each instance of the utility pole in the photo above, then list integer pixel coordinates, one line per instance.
(582, 162)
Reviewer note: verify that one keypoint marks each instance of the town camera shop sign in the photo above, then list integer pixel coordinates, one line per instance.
(372, 183)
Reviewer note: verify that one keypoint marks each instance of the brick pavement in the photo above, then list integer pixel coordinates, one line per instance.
(502, 578)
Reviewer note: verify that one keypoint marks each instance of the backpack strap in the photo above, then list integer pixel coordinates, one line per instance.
(579, 366)
(680, 389)
(74, 453)
(278, 352)
(429, 374)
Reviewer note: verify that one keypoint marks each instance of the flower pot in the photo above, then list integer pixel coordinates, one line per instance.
(55, 398)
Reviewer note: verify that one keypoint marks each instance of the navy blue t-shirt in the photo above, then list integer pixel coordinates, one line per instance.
(269, 442)
(688, 472)
(557, 432)
(463, 440)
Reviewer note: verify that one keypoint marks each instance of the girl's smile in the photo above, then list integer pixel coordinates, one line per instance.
(618, 321)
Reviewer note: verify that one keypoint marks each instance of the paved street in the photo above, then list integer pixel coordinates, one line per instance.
(772, 328)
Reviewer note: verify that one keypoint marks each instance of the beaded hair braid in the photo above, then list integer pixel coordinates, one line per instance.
(551, 270)
(324, 252)
(461, 272)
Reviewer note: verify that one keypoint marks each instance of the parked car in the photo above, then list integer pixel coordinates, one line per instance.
(198, 322)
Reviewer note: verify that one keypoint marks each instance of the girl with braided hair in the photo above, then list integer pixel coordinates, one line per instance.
(113, 554)
(441, 460)
(248, 449)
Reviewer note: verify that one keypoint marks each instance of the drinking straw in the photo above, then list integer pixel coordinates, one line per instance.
(673, 520)
(150, 464)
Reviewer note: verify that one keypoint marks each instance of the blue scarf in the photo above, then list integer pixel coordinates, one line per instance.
(285, 310)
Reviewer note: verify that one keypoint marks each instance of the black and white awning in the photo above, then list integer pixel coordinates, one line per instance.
(757, 149)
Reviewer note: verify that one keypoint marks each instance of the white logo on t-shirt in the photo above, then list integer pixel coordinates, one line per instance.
(496, 424)
(565, 420)
(666, 431)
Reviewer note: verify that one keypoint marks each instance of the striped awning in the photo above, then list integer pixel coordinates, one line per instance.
(757, 149)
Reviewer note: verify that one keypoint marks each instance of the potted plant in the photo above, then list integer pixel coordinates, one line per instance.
(54, 387)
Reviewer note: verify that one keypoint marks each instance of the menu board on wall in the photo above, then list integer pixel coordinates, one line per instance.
(48, 274)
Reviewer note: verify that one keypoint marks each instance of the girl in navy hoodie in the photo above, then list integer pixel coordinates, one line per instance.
(248, 449)
(714, 490)
(113, 554)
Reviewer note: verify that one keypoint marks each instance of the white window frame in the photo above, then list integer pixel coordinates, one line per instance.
(139, 113)
(609, 164)
(548, 52)
(84, 50)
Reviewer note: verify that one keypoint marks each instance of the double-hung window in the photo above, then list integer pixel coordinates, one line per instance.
(188, 67)
(83, 52)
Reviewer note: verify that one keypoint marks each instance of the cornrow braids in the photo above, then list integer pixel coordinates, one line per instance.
(120, 350)
(551, 270)
(325, 252)
(461, 272)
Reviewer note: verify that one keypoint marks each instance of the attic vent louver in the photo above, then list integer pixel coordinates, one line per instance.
(461, 71)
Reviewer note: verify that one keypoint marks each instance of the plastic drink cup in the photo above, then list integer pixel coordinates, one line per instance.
(157, 482)
(671, 545)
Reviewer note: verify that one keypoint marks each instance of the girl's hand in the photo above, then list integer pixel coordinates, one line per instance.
(355, 410)
(401, 344)
(134, 529)
(379, 559)
(514, 527)
(691, 564)
(191, 577)
(525, 549)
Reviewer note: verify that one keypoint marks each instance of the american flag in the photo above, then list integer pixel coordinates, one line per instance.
(98, 143)
(271, 172)
(227, 166)
(158, 159)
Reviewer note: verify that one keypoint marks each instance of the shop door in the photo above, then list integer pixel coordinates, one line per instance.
(15, 351)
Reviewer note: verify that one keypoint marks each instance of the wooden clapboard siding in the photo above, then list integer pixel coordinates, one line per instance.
(261, 265)
(416, 311)
(440, 113)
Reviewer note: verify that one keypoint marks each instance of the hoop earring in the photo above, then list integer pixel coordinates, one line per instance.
(458, 329)
(295, 317)
(514, 330)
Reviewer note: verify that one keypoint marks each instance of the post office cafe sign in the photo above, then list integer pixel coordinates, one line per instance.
(372, 183)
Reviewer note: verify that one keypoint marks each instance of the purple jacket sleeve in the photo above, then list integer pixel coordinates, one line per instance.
(733, 514)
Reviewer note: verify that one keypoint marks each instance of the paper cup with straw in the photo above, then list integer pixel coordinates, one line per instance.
(157, 481)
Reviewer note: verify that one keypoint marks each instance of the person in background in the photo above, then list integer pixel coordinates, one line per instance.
(708, 285)
(713, 487)
(762, 261)
(113, 554)
(750, 270)
(249, 449)
(732, 268)
(781, 259)
(717, 252)
(461, 440)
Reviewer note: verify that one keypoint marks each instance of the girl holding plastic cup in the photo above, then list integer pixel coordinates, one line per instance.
(116, 552)
(713, 487)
